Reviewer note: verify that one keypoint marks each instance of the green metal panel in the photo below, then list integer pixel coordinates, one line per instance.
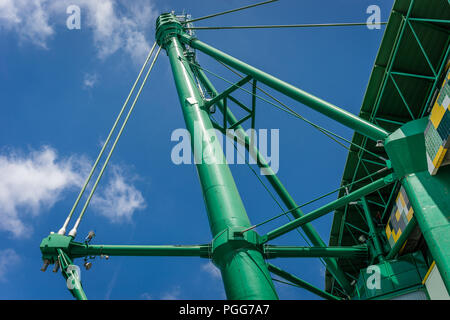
(395, 276)
(406, 148)
(378, 252)
(430, 198)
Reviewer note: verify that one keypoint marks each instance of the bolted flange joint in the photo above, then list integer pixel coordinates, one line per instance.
(50, 245)
(167, 26)
(233, 239)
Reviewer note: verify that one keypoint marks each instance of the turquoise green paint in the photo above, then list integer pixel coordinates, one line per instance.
(244, 273)
(395, 276)
(275, 182)
(406, 147)
(430, 199)
(344, 117)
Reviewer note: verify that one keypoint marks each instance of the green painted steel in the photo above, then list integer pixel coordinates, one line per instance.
(51, 245)
(244, 273)
(70, 274)
(429, 197)
(271, 252)
(83, 250)
(301, 283)
(342, 201)
(227, 92)
(344, 117)
(373, 235)
(408, 140)
(275, 182)
(394, 278)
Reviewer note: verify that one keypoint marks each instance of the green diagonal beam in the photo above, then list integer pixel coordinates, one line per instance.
(342, 201)
(301, 283)
(346, 118)
(227, 91)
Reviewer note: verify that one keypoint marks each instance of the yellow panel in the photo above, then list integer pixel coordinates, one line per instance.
(402, 200)
(388, 231)
(436, 114)
(397, 235)
(440, 155)
(410, 214)
(428, 272)
(397, 215)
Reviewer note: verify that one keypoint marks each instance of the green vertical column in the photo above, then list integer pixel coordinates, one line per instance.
(244, 272)
(429, 197)
(372, 231)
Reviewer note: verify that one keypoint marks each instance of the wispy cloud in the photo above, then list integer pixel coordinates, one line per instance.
(8, 259)
(32, 183)
(212, 270)
(146, 296)
(118, 200)
(90, 80)
(28, 18)
(115, 24)
(173, 294)
(112, 283)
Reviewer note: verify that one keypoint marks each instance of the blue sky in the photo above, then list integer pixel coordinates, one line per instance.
(61, 90)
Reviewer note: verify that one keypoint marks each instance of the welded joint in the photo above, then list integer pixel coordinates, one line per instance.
(234, 238)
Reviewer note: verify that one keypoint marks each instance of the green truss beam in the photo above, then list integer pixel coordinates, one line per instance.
(342, 201)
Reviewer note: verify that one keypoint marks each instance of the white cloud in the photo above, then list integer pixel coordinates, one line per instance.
(212, 270)
(173, 294)
(32, 183)
(90, 80)
(8, 259)
(115, 24)
(118, 200)
(146, 296)
(28, 18)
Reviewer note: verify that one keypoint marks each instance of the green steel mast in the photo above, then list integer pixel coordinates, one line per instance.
(244, 273)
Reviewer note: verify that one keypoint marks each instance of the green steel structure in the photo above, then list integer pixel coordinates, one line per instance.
(386, 167)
